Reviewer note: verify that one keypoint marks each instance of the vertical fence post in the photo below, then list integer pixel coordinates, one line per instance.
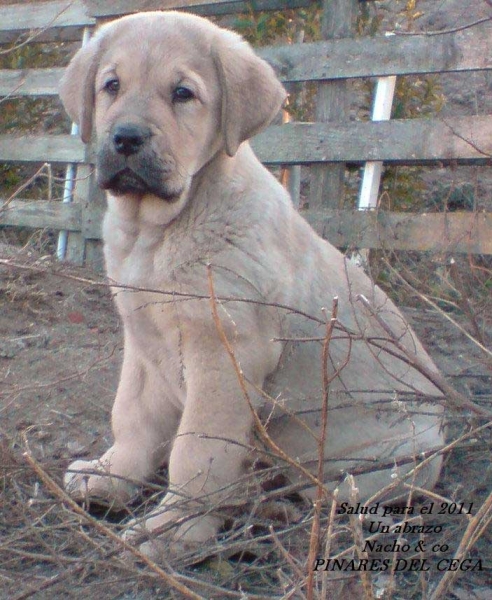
(83, 247)
(71, 245)
(371, 179)
(291, 176)
(373, 170)
(327, 181)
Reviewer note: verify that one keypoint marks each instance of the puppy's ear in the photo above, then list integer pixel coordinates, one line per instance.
(251, 93)
(77, 87)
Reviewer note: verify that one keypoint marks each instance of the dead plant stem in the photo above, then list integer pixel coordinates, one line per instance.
(455, 399)
(320, 488)
(474, 530)
(55, 489)
(261, 429)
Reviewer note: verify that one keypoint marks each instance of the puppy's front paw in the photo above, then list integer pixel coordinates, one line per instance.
(91, 482)
(169, 533)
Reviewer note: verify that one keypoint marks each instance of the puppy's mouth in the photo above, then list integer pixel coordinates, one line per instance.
(127, 181)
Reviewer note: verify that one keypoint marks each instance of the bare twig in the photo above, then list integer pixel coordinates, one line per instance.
(288, 557)
(445, 31)
(467, 140)
(475, 529)
(44, 167)
(173, 295)
(261, 429)
(455, 399)
(358, 535)
(464, 301)
(428, 301)
(37, 33)
(329, 538)
(320, 489)
(55, 489)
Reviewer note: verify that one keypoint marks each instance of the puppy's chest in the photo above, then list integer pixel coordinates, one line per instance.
(140, 258)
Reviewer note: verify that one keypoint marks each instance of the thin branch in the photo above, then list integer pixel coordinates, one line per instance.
(444, 31)
(38, 32)
(102, 528)
(173, 295)
(329, 539)
(358, 535)
(427, 300)
(321, 490)
(464, 302)
(457, 400)
(475, 528)
(466, 140)
(261, 429)
(45, 166)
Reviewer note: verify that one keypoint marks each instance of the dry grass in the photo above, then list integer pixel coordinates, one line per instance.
(69, 553)
(51, 548)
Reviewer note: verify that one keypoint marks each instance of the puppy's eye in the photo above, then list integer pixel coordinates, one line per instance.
(112, 86)
(182, 94)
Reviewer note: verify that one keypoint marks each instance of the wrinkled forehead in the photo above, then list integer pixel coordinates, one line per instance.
(157, 37)
(156, 44)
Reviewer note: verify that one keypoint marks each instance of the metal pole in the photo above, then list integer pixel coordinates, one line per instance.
(383, 101)
(70, 173)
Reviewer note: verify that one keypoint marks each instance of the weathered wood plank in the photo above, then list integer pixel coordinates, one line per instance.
(42, 148)
(30, 82)
(438, 232)
(65, 19)
(41, 214)
(332, 105)
(102, 8)
(83, 196)
(45, 19)
(466, 50)
(410, 141)
(460, 51)
(37, 15)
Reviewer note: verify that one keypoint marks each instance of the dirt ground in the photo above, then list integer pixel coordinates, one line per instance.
(60, 352)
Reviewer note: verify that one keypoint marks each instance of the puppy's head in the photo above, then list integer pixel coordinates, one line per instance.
(164, 92)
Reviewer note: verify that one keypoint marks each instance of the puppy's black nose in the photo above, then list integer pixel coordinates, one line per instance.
(128, 138)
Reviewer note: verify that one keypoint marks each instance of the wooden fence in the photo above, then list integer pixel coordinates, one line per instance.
(326, 145)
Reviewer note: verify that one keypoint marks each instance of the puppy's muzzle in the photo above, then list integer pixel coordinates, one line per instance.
(128, 162)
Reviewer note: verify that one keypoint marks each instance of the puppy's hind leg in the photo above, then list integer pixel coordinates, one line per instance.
(144, 424)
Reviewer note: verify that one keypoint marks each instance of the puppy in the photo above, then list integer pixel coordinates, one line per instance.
(173, 99)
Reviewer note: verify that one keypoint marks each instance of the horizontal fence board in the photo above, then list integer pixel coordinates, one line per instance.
(438, 232)
(64, 19)
(462, 232)
(103, 8)
(410, 141)
(45, 20)
(381, 56)
(364, 57)
(27, 16)
(42, 148)
(51, 34)
(41, 214)
(30, 82)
